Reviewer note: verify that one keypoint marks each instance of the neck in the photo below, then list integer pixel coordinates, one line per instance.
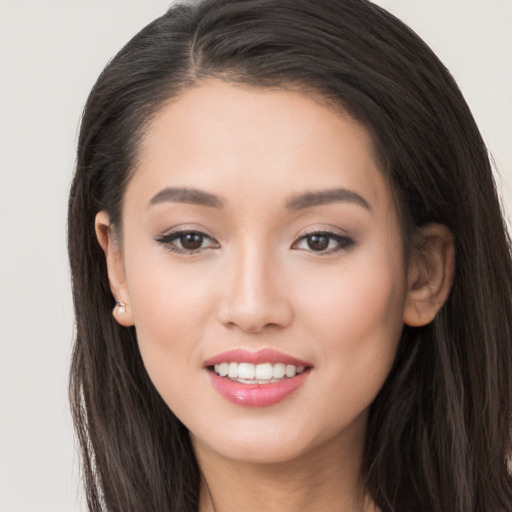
(325, 479)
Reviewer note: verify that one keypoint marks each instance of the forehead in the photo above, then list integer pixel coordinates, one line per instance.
(253, 142)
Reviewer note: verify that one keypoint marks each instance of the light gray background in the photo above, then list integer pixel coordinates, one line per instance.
(51, 52)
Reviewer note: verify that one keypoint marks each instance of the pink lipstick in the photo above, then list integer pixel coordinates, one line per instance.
(256, 379)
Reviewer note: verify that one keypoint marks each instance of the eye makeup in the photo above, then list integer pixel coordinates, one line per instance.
(187, 241)
(323, 242)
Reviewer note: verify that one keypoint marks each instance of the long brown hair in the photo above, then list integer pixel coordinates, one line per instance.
(439, 432)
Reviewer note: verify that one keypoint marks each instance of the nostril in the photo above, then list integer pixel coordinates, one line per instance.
(253, 325)
(254, 304)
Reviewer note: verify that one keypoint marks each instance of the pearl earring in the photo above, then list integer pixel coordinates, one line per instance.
(121, 306)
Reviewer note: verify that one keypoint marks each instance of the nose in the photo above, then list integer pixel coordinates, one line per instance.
(254, 298)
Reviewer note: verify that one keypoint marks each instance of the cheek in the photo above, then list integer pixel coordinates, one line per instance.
(355, 324)
(172, 311)
(356, 316)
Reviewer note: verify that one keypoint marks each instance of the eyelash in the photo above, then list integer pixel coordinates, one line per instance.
(343, 242)
(169, 241)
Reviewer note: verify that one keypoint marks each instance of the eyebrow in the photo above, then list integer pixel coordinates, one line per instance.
(322, 197)
(186, 195)
(306, 200)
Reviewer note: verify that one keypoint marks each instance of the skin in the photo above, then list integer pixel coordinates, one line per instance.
(257, 283)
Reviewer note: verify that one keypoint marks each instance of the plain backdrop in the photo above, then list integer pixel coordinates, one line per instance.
(51, 52)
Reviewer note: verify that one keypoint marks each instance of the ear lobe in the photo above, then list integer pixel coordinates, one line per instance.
(115, 266)
(430, 274)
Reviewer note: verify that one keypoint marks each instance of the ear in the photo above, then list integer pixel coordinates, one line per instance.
(430, 274)
(115, 267)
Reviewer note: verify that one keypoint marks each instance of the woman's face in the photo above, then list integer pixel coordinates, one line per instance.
(260, 238)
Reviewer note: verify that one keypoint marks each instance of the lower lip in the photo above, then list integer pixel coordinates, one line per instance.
(256, 395)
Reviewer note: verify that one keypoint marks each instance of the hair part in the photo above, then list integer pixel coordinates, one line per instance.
(439, 431)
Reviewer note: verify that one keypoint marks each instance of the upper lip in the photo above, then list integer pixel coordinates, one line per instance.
(267, 355)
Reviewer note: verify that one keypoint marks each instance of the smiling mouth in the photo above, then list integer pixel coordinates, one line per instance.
(256, 379)
(265, 373)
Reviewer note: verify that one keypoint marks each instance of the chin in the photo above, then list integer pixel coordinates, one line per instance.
(252, 451)
(278, 441)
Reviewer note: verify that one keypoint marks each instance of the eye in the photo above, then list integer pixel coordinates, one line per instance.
(323, 242)
(187, 241)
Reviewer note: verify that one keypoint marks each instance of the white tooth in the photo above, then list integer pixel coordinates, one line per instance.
(264, 371)
(290, 370)
(223, 369)
(254, 381)
(278, 370)
(245, 381)
(216, 368)
(300, 369)
(246, 371)
(233, 370)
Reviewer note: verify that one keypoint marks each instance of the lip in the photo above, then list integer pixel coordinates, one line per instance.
(267, 355)
(256, 395)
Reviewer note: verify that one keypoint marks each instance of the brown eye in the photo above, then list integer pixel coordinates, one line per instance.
(191, 241)
(323, 242)
(187, 242)
(317, 242)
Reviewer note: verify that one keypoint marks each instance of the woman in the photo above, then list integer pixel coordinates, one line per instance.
(289, 209)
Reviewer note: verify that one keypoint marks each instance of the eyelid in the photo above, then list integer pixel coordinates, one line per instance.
(321, 228)
(176, 232)
(345, 241)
